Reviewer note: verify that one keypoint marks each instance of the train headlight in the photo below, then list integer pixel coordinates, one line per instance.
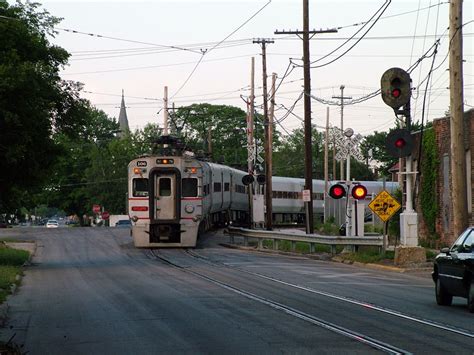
(189, 208)
(135, 219)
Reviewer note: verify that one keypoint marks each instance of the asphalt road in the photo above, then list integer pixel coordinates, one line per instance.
(89, 291)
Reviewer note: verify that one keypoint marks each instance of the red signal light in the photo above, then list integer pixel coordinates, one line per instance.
(359, 192)
(400, 143)
(396, 93)
(337, 191)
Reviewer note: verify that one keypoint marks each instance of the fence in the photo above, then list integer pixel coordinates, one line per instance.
(298, 236)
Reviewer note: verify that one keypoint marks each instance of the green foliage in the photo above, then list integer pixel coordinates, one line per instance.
(34, 102)
(288, 157)
(300, 247)
(10, 262)
(429, 171)
(394, 222)
(327, 228)
(368, 255)
(224, 125)
(13, 257)
(370, 228)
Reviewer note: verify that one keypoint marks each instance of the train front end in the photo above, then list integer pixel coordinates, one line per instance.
(164, 201)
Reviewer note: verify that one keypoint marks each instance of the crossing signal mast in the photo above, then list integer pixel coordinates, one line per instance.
(396, 92)
(358, 193)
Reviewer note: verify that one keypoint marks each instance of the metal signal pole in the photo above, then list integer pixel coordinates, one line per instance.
(342, 97)
(308, 166)
(268, 143)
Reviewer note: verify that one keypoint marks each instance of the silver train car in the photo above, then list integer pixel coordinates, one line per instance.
(174, 198)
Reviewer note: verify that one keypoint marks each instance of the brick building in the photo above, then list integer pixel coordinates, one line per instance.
(444, 218)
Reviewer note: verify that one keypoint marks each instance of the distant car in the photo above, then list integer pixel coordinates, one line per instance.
(3, 225)
(52, 224)
(124, 223)
(453, 271)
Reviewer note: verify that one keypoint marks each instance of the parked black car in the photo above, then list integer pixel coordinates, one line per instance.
(453, 271)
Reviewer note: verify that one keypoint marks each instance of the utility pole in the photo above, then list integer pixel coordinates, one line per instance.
(456, 93)
(268, 142)
(326, 166)
(251, 148)
(165, 112)
(308, 165)
(269, 166)
(342, 97)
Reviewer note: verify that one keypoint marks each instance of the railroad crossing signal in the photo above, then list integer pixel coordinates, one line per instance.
(399, 143)
(395, 87)
(384, 205)
(359, 192)
(346, 146)
(337, 191)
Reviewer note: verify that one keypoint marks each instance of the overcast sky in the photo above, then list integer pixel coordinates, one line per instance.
(159, 43)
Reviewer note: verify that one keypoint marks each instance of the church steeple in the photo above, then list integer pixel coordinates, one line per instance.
(123, 120)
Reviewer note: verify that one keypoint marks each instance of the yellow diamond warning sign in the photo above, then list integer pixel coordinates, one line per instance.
(384, 205)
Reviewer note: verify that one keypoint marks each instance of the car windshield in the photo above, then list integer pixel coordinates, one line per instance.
(460, 241)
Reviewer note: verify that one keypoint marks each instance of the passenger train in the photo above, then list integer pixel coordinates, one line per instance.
(173, 197)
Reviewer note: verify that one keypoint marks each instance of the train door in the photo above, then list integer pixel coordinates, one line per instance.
(165, 196)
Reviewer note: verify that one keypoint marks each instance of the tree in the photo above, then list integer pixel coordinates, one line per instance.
(34, 102)
(225, 125)
(84, 168)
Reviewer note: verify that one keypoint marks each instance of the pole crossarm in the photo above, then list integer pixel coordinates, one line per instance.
(313, 32)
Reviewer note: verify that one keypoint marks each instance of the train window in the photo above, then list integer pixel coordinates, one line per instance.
(189, 187)
(226, 186)
(274, 194)
(279, 194)
(217, 187)
(140, 187)
(165, 187)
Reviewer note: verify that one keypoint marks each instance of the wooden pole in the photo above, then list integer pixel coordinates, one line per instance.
(165, 112)
(458, 154)
(326, 166)
(268, 143)
(308, 156)
(250, 139)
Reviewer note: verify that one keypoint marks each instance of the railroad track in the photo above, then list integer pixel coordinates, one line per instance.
(292, 311)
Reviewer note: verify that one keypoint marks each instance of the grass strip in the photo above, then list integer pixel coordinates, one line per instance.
(11, 261)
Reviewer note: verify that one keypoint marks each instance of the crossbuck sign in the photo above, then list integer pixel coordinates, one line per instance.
(346, 146)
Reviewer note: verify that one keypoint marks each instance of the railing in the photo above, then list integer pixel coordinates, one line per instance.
(298, 236)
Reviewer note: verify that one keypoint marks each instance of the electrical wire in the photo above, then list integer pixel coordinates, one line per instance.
(156, 66)
(125, 40)
(420, 147)
(381, 10)
(350, 38)
(395, 15)
(214, 47)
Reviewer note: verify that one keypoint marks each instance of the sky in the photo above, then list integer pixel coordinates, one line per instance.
(202, 50)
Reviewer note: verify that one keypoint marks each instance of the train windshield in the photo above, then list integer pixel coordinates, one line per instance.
(140, 187)
(189, 187)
